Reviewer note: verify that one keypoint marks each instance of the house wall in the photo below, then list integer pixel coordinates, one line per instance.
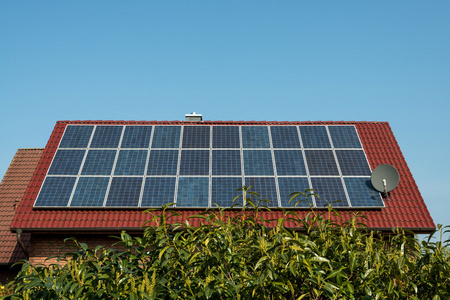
(44, 246)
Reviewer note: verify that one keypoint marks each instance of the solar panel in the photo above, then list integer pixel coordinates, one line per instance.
(99, 162)
(258, 162)
(106, 137)
(131, 162)
(255, 137)
(76, 136)
(67, 162)
(196, 136)
(136, 137)
(285, 137)
(226, 137)
(193, 192)
(224, 191)
(289, 162)
(90, 192)
(158, 191)
(162, 162)
(344, 137)
(194, 162)
(226, 162)
(289, 185)
(146, 166)
(55, 192)
(166, 137)
(315, 137)
(124, 192)
(321, 162)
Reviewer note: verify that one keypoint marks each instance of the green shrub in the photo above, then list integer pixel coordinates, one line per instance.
(239, 257)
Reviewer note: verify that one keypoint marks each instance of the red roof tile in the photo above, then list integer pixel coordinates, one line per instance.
(12, 189)
(405, 207)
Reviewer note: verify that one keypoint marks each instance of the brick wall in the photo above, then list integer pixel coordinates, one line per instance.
(43, 246)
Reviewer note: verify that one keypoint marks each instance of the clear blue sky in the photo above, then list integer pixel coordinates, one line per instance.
(232, 60)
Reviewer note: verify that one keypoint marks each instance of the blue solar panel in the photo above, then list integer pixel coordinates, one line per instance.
(353, 162)
(285, 137)
(196, 136)
(314, 137)
(289, 162)
(90, 192)
(264, 186)
(193, 192)
(194, 162)
(166, 137)
(136, 137)
(226, 137)
(289, 185)
(99, 162)
(226, 162)
(321, 162)
(258, 162)
(224, 191)
(361, 192)
(76, 136)
(66, 162)
(55, 192)
(330, 190)
(131, 162)
(162, 162)
(158, 191)
(255, 137)
(106, 137)
(124, 192)
(344, 137)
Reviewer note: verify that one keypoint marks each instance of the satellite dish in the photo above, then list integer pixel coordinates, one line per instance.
(385, 178)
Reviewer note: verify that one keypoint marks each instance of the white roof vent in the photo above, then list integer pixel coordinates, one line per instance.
(193, 117)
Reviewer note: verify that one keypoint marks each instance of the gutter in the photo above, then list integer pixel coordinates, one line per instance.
(19, 240)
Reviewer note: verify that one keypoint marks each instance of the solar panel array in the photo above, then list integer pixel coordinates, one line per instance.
(203, 165)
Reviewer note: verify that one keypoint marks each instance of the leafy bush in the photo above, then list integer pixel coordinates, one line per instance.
(239, 257)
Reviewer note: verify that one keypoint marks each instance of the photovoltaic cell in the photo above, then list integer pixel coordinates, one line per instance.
(258, 162)
(124, 192)
(136, 137)
(288, 185)
(255, 137)
(314, 137)
(162, 162)
(264, 186)
(131, 162)
(321, 162)
(344, 137)
(353, 162)
(330, 190)
(196, 136)
(90, 192)
(194, 162)
(226, 162)
(55, 192)
(226, 137)
(166, 137)
(99, 162)
(361, 193)
(106, 137)
(285, 137)
(66, 162)
(289, 162)
(193, 192)
(76, 136)
(158, 191)
(224, 191)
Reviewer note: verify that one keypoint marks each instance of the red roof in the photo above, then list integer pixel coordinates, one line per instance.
(405, 207)
(12, 189)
